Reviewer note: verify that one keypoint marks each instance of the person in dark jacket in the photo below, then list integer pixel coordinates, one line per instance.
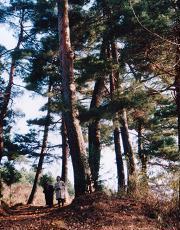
(49, 193)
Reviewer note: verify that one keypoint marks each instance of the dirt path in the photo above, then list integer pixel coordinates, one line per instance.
(97, 212)
(31, 217)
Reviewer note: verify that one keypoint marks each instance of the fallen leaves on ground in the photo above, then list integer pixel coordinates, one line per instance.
(93, 211)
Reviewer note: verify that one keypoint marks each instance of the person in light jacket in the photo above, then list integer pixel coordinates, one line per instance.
(60, 191)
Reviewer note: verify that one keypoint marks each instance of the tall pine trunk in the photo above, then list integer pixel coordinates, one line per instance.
(114, 84)
(177, 85)
(1, 139)
(94, 126)
(65, 152)
(128, 151)
(7, 93)
(43, 150)
(94, 151)
(94, 134)
(119, 161)
(142, 157)
(70, 112)
(7, 96)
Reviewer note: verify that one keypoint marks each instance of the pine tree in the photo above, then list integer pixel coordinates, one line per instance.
(65, 152)
(43, 147)
(70, 113)
(22, 11)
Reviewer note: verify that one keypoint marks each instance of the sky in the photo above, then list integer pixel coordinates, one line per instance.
(30, 106)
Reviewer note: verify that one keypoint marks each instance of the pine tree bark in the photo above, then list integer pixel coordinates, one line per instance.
(114, 84)
(43, 150)
(119, 161)
(128, 151)
(143, 157)
(70, 113)
(65, 152)
(1, 139)
(94, 151)
(94, 134)
(177, 83)
(94, 126)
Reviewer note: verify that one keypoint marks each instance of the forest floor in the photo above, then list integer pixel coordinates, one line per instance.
(93, 211)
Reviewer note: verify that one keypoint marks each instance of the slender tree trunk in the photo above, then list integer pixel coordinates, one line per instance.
(1, 139)
(65, 152)
(94, 134)
(94, 126)
(177, 86)
(70, 113)
(43, 150)
(128, 151)
(177, 83)
(119, 161)
(94, 151)
(1, 188)
(114, 80)
(143, 157)
(4, 108)
(7, 93)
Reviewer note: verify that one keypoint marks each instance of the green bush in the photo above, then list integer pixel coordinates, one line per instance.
(46, 178)
(10, 174)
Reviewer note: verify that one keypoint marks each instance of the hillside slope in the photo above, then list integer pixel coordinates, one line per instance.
(97, 211)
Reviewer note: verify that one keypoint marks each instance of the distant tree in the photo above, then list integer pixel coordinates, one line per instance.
(46, 178)
(10, 175)
(43, 146)
(155, 55)
(114, 87)
(27, 176)
(20, 10)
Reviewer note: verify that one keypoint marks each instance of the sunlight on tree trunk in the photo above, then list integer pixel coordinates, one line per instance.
(128, 151)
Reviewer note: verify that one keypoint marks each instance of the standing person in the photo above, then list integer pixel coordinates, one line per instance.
(49, 193)
(60, 191)
(45, 191)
